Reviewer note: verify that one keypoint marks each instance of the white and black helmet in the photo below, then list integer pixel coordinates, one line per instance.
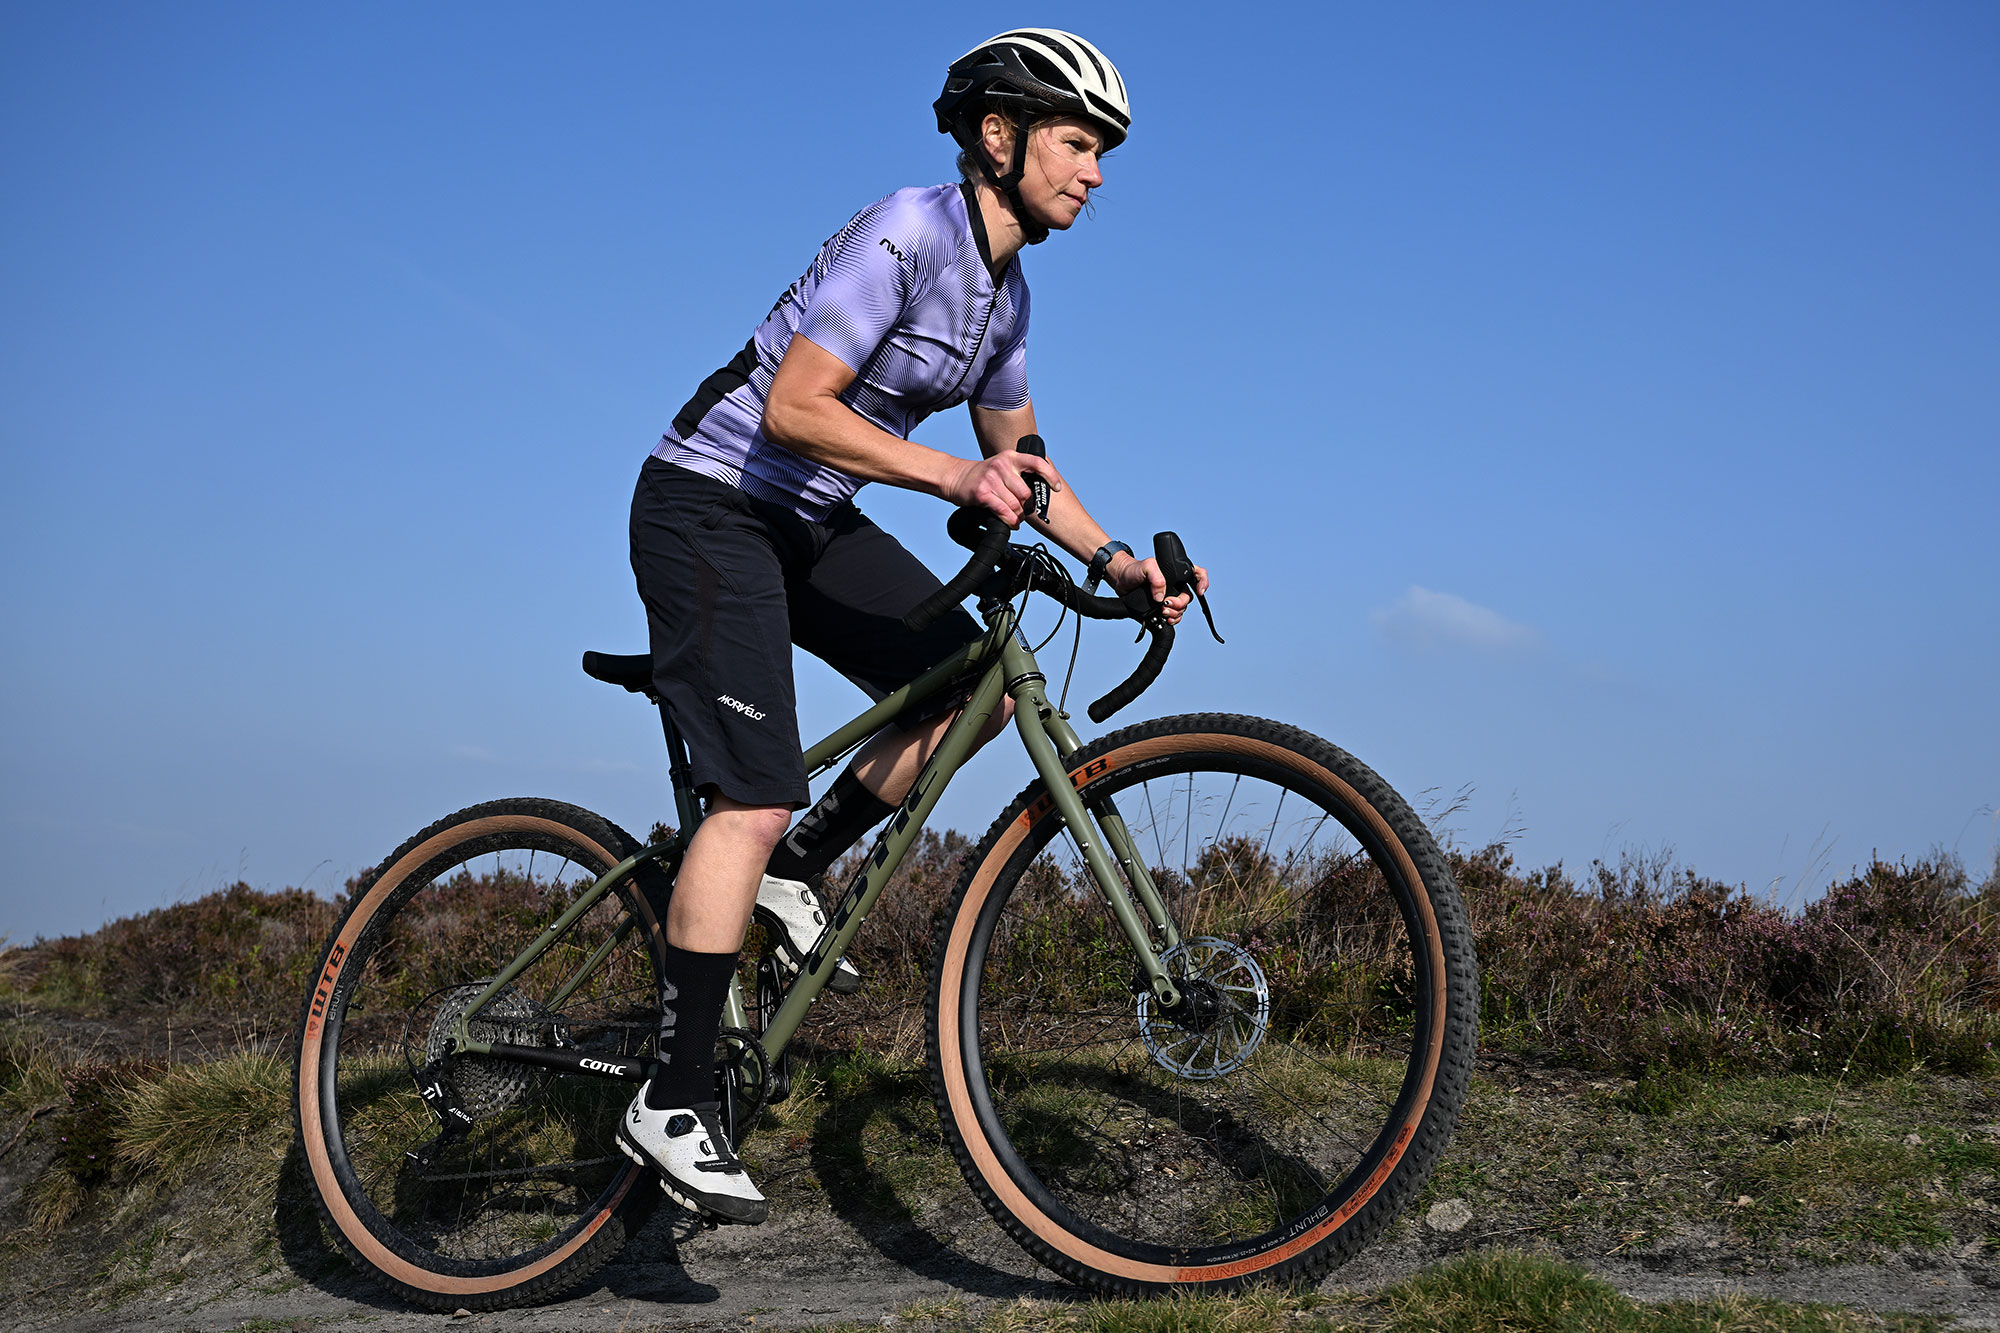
(1027, 75)
(1037, 72)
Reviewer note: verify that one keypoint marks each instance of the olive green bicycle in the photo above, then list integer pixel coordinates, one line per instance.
(1201, 1009)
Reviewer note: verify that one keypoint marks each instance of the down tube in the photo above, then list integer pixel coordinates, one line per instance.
(903, 828)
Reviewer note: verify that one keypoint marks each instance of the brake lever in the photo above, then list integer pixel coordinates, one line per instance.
(1038, 489)
(1178, 570)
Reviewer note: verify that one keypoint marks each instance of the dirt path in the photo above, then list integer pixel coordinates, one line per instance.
(817, 1268)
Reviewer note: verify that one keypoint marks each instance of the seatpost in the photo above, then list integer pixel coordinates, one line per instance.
(681, 774)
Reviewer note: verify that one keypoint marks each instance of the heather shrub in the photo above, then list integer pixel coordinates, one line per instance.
(1651, 969)
(236, 952)
(1641, 966)
(895, 945)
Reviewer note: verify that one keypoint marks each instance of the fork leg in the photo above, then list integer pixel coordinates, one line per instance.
(1119, 837)
(1032, 713)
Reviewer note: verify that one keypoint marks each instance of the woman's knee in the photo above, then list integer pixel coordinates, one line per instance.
(762, 824)
(1001, 717)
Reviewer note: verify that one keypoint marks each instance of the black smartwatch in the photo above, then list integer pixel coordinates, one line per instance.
(1101, 562)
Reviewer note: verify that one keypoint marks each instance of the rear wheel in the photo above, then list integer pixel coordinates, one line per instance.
(535, 1195)
(1294, 1101)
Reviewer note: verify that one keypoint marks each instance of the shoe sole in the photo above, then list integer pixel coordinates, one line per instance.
(638, 1155)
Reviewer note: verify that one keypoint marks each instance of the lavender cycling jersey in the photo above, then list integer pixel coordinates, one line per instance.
(903, 296)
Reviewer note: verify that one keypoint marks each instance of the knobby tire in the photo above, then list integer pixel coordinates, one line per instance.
(536, 1197)
(1134, 1171)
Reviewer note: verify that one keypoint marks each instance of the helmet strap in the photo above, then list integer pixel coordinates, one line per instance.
(1033, 232)
(1009, 185)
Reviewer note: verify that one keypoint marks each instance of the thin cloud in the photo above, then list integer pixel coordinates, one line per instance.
(1427, 618)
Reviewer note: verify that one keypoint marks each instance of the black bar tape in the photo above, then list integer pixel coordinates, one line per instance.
(991, 543)
(1149, 671)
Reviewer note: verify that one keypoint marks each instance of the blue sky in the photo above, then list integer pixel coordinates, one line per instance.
(1596, 407)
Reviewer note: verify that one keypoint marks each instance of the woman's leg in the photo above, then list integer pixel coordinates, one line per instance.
(848, 610)
(710, 910)
(711, 576)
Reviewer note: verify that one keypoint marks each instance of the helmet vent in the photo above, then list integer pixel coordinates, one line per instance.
(1108, 111)
(1044, 69)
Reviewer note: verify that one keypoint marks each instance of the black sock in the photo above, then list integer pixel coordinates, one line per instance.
(692, 989)
(835, 823)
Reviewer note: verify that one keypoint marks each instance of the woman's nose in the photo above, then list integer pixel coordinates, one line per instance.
(1091, 176)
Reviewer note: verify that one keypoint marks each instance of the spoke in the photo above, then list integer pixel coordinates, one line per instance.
(1223, 830)
(1291, 857)
(1153, 822)
(549, 1169)
(1187, 829)
(1366, 1093)
(1283, 792)
(1066, 1047)
(1082, 866)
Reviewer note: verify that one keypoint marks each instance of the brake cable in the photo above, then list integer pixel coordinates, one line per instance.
(1046, 560)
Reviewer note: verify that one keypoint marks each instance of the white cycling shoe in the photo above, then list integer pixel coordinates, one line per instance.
(795, 916)
(692, 1155)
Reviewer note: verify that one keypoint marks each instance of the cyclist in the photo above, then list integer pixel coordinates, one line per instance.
(746, 540)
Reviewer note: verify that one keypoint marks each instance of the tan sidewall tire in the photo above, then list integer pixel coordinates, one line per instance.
(603, 1233)
(1407, 1149)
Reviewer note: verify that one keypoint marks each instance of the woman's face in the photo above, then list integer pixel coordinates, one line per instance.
(1061, 169)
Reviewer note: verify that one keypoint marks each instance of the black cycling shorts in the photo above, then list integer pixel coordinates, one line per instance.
(731, 582)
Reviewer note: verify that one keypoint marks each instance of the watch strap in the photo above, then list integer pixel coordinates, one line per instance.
(1101, 562)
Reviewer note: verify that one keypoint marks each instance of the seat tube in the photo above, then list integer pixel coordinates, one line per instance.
(1032, 714)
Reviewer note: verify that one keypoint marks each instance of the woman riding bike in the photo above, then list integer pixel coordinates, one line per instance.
(746, 540)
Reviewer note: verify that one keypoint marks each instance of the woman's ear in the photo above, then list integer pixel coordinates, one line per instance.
(996, 136)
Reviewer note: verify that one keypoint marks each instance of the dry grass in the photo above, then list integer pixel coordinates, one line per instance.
(191, 1119)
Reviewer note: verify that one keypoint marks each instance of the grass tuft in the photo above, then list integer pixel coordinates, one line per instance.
(196, 1116)
(1502, 1289)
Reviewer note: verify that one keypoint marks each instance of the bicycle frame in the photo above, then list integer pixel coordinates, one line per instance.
(1007, 665)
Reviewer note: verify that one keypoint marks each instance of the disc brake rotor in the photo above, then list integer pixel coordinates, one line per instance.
(1224, 1013)
(487, 1086)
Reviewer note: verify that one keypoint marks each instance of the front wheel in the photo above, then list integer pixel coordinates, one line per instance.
(534, 1195)
(1297, 1099)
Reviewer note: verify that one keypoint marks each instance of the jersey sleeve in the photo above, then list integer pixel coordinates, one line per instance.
(1004, 386)
(864, 278)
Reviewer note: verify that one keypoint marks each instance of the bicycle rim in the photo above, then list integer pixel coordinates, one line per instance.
(536, 1194)
(1266, 1132)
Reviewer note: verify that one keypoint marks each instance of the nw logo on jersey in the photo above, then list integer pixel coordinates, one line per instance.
(748, 710)
(890, 246)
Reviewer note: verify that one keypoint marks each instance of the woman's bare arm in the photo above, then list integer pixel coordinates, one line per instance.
(803, 412)
(1070, 524)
